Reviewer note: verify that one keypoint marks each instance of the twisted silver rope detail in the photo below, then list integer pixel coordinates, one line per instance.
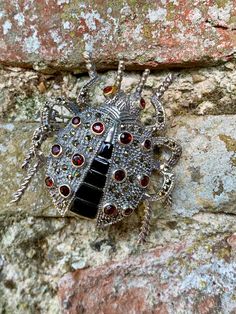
(165, 85)
(145, 229)
(24, 185)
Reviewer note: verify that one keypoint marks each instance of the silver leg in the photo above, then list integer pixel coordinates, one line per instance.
(155, 100)
(48, 125)
(83, 93)
(167, 187)
(172, 145)
(145, 228)
(31, 172)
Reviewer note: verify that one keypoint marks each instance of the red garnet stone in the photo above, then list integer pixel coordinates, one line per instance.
(147, 144)
(110, 210)
(98, 127)
(119, 175)
(128, 211)
(76, 121)
(108, 90)
(64, 190)
(144, 181)
(142, 103)
(77, 160)
(49, 182)
(126, 138)
(56, 150)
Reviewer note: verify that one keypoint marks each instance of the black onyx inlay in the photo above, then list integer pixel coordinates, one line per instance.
(100, 165)
(106, 150)
(95, 178)
(89, 193)
(85, 209)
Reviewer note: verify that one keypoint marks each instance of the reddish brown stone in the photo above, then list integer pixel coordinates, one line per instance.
(49, 35)
(166, 280)
(232, 241)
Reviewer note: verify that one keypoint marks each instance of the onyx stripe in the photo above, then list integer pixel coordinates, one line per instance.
(95, 178)
(84, 208)
(100, 164)
(90, 192)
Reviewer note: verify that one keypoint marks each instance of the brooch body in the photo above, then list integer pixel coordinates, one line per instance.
(101, 162)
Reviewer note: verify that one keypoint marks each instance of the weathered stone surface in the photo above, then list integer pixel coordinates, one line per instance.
(37, 246)
(50, 36)
(196, 91)
(169, 279)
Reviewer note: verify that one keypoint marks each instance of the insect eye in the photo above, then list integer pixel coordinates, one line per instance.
(147, 144)
(127, 211)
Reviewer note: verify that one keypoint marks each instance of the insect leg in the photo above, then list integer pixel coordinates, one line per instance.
(145, 228)
(172, 145)
(24, 185)
(155, 100)
(83, 93)
(47, 115)
(48, 125)
(167, 186)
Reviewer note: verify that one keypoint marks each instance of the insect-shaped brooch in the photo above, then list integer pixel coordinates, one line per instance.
(100, 164)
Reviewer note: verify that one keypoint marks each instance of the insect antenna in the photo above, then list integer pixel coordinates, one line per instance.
(89, 65)
(142, 82)
(120, 73)
(158, 92)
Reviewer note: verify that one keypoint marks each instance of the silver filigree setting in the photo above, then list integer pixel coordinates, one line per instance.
(110, 137)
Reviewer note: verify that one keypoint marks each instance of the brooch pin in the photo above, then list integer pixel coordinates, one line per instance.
(100, 164)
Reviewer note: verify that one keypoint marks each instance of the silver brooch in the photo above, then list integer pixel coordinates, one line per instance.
(100, 164)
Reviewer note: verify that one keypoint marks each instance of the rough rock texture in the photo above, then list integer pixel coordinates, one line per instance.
(158, 281)
(50, 264)
(51, 35)
(188, 264)
(197, 91)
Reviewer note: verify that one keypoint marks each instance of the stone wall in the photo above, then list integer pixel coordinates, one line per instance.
(53, 264)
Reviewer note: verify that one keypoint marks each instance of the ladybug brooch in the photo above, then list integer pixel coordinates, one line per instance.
(100, 164)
